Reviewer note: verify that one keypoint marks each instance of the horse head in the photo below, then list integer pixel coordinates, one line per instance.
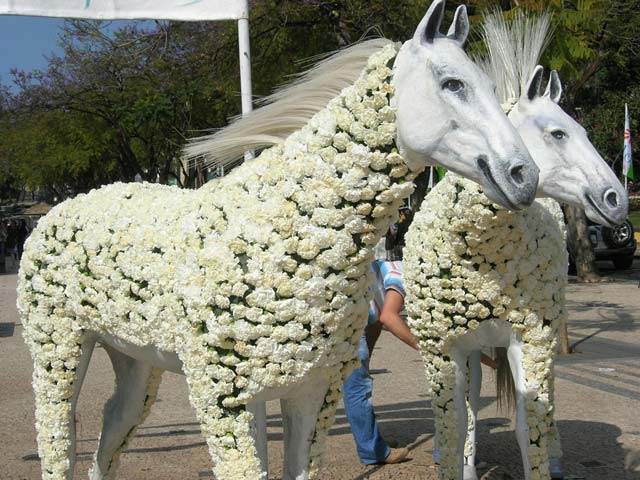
(448, 114)
(571, 170)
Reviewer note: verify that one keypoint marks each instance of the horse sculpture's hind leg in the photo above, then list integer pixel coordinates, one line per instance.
(85, 356)
(475, 384)
(57, 380)
(450, 409)
(300, 417)
(516, 362)
(259, 432)
(137, 385)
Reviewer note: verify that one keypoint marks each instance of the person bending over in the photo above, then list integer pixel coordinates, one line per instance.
(384, 310)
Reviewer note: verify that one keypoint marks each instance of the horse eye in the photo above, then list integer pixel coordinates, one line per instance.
(558, 134)
(453, 85)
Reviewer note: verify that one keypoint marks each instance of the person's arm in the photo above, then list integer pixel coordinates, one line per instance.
(391, 319)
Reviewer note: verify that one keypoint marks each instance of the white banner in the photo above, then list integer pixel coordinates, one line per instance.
(187, 10)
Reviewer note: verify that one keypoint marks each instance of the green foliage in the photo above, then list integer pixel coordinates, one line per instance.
(122, 103)
(604, 120)
(58, 151)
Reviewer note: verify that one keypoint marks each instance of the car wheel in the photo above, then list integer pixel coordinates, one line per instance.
(618, 236)
(622, 262)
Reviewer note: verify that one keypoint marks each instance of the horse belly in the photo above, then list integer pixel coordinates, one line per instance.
(147, 354)
(490, 333)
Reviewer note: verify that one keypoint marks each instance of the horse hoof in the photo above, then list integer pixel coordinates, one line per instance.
(469, 473)
(555, 469)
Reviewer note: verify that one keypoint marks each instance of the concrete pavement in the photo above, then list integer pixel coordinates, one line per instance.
(597, 398)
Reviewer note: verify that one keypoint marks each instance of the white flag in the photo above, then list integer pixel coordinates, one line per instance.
(187, 10)
(627, 169)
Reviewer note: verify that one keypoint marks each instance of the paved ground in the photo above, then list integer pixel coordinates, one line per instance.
(598, 402)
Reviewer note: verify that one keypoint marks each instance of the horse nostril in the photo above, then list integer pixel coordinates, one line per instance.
(611, 199)
(516, 174)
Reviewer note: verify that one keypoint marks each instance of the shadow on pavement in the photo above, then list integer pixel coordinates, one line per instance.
(7, 329)
(591, 452)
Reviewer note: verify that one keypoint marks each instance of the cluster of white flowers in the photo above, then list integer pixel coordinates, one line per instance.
(254, 280)
(468, 260)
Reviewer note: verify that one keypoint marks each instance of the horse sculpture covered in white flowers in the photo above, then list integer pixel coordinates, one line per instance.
(255, 286)
(478, 276)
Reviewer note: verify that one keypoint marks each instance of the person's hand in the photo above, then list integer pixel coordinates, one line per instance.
(488, 361)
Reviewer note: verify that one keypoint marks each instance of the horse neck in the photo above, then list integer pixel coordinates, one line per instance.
(347, 150)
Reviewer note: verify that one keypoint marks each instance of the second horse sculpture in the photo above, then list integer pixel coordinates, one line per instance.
(255, 286)
(478, 276)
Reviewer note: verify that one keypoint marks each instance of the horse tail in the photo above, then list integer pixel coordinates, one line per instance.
(505, 387)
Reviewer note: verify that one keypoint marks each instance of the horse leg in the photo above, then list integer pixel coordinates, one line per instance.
(57, 379)
(553, 440)
(259, 432)
(555, 453)
(81, 370)
(137, 386)
(448, 384)
(533, 407)
(301, 418)
(459, 360)
(224, 419)
(516, 363)
(475, 384)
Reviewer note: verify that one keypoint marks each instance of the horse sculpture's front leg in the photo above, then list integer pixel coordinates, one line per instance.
(57, 379)
(225, 421)
(533, 409)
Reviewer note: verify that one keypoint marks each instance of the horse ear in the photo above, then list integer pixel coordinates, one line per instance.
(459, 29)
(532, 89)
(429, 26)
(554, 88)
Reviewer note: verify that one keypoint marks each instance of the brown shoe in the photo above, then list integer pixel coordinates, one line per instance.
(396, 455)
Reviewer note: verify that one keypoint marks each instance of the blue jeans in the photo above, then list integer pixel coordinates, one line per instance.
(370, 445)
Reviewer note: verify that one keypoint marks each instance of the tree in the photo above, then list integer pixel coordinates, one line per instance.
(150, 86)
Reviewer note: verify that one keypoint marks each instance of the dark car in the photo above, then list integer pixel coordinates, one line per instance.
(616, 244)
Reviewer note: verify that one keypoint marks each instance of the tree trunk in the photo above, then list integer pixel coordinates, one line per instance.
(583, 251)
(565, 347)
(3, 268)
(422, 183)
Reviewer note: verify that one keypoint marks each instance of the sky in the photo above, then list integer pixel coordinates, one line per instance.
(25, 42)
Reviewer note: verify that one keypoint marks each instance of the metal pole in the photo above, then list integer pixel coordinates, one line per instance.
(245, 65)
(245, 71)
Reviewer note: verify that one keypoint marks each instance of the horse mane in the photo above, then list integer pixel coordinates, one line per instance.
(514, 48)
(287, 109)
